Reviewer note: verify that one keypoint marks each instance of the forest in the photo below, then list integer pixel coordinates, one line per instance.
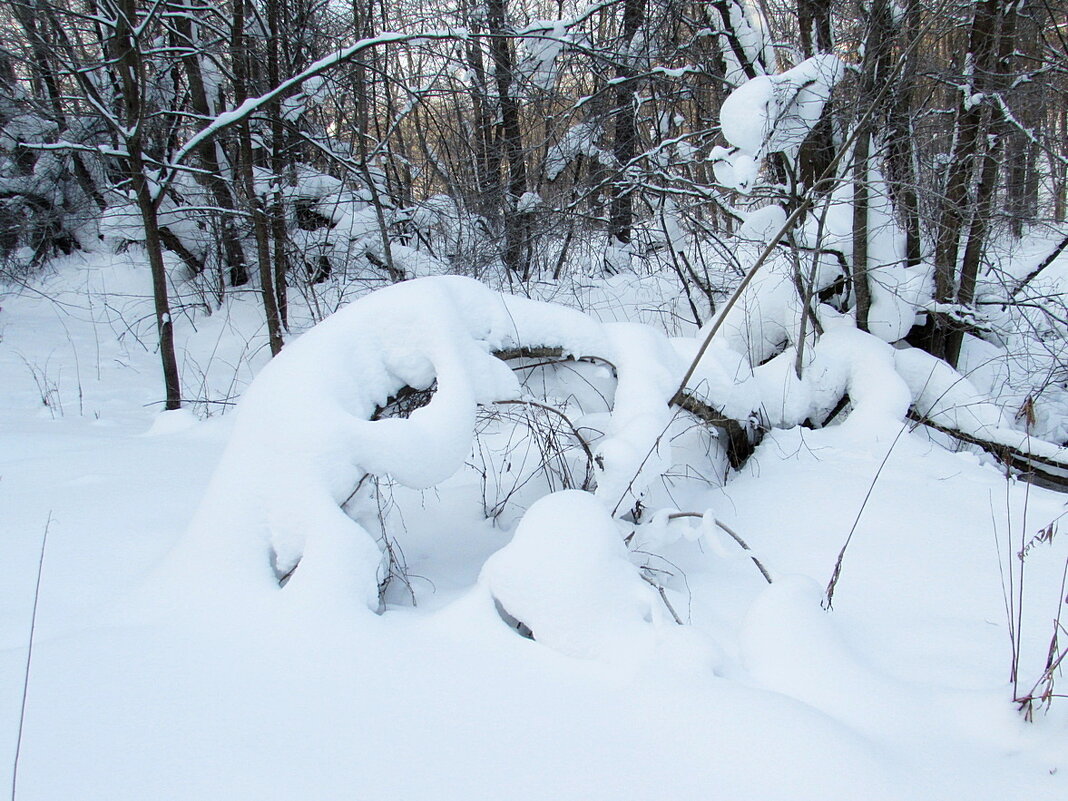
(679, 389)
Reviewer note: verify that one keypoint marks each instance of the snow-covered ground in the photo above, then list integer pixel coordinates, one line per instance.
(150, 681)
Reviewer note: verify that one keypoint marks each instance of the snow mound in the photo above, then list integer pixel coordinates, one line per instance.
(567, 576)
(790, 645)
(288, 508)
(772, 114)
(844, 361)
(636, 452)
(944, 395)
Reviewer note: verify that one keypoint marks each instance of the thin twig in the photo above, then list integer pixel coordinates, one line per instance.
(553, 410)
(29, 658)
(664, 598)
(828, 599)
(733, 535)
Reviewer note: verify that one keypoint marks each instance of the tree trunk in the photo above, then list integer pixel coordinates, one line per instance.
(276, 213)
(1059, 170)
(128, 63)
(260, 225)
(207, 151)
(900, 160)
(861, 290)
(625, 143)
(516, 222)
(987, 186)
(814, 22)
(154, 248)
(817, 151)
(872, 82)
(487, 168)
(958, 198)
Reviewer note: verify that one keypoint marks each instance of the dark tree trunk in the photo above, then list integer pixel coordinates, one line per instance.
(958, 197)
(516, 222)
(814, 23)
(276, 213)
(130, 68)
(900, 159)
(817, 151)
(861, 289)
(487, 167)
(985, 191)
(872, 82)
(625, 142)
(260, 223)
(207, 151)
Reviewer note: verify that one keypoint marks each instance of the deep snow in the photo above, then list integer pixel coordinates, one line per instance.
(151, 679)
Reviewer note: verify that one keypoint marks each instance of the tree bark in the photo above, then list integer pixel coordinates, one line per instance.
(207, 151)
(817, 151)
(958, 198)
(516, 222)
(126, 54)
(900, 159)
(276, 212)
(260, 224)
(861, 289)
(872, 81)
(982, 207)
(625, 142)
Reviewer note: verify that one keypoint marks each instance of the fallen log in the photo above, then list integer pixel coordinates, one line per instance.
(1046, 262)
(1043, 470)
(736, 436)
(739, 447)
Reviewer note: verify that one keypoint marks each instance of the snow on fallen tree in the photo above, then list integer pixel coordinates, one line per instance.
(315, 421)
(305, 433)
(950, 403)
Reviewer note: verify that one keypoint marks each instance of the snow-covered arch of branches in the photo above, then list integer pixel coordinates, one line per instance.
(304, 436)
(310, 426)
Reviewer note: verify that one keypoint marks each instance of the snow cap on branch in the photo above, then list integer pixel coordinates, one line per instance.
(774, 113)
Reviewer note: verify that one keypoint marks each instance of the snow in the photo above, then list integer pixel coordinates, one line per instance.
(944, 395)
(299, 448)
(168, 663)
(768, 312)
(567, 576)
(580, 139)
(541, 44)
(897, 292)
(528, 202)
(762, 224)
(745, 19)
(735, 169)
(458, 542)
(950, 399)
(774, 113)
(771, 114)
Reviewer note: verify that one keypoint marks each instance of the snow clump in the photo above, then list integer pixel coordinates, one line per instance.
(567, 576)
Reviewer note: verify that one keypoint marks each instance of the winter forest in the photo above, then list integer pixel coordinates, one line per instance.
(482, 399)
